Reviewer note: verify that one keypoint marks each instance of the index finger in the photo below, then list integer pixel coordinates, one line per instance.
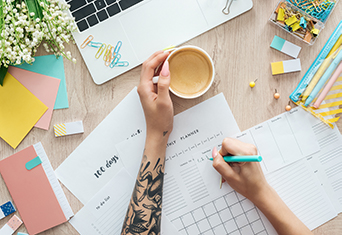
(236, 147)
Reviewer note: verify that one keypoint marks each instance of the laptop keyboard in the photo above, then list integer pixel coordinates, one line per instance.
(88, 13)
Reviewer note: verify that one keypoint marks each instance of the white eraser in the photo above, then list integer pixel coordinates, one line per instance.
(68, 128)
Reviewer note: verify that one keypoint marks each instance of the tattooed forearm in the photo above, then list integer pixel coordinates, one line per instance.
(144, 212)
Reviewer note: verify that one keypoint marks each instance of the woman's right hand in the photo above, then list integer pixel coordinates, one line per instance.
(245, 178)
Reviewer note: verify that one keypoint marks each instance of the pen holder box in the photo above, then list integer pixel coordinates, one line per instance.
(304, 19)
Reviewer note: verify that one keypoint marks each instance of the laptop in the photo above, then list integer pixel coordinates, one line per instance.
(141, 27)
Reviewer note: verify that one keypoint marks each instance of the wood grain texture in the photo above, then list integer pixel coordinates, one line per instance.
(241, 53)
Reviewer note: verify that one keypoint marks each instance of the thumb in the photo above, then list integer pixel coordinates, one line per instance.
(221, 166)
(164, 81)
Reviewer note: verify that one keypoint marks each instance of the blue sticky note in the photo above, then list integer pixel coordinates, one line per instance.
(7, 208)
(278, 43)
(33, 163)
(49, 65)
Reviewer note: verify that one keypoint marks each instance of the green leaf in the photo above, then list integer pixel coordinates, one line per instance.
(33, 6)
(3, 72)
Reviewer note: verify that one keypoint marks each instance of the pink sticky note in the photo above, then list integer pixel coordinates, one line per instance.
(45, 88)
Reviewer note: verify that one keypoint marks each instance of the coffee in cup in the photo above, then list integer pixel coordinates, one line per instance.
(191, 70)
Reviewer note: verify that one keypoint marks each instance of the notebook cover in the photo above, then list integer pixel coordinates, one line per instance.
(31, 192)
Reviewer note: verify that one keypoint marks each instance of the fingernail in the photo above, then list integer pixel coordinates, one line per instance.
(165, 70)
(214, 153)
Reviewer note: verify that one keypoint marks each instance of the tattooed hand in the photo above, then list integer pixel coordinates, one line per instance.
(155, 99)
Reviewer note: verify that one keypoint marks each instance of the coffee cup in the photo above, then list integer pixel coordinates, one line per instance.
(192, 72)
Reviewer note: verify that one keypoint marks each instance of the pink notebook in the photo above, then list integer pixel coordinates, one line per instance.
(35, 190)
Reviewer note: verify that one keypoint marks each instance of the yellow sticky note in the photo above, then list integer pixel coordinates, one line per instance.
(19, 111)
(281, 14)
(277, 68)
(291, 20)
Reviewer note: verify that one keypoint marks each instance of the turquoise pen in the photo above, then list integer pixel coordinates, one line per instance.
(324, 78)
(252, 158)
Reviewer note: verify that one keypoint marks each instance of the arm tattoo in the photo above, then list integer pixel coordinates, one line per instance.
(144, 212)
(165, 132)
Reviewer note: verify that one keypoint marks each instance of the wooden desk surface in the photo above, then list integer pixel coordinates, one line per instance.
(241, 52)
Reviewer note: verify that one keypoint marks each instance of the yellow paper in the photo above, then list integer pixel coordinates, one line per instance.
(277, 68)
(19, 111)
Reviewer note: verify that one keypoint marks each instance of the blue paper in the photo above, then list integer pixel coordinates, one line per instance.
(49, 65)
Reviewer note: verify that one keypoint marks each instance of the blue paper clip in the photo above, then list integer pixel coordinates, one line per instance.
(117, 48)
(302, 22)
(122, 64)
(115, 60)
(95, 44)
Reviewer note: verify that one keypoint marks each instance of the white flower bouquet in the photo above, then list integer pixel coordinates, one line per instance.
(25, 24)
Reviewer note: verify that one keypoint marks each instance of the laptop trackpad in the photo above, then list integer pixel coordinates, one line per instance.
(157, 24)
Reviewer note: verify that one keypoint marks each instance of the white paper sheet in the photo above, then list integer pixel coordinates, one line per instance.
(283, 139)
(95, 161)
(104, 214)
(327, 163)
(299, 188)
(192, 200)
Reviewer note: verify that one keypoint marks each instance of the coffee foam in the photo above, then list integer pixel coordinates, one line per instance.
(191, 72)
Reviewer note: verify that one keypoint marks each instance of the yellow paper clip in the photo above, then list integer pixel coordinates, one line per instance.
(87, 41)
(107, 53)
(100, 50)
(110, 56)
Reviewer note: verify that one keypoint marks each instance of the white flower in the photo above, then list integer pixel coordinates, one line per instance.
(74, 60)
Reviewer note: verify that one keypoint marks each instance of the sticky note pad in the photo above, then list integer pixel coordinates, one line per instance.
(285, 47)
(6, 209)
(286, 66)
(51, 66)
(45, 88)
(68, 128)
(12, 225)
(19, 109)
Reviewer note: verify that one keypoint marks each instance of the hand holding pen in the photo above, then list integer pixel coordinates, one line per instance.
(246, 178)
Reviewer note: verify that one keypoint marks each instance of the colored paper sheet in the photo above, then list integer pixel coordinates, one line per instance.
(43, 87)
(285, 47)
(32, 190)
(51, 66)
(19, 111)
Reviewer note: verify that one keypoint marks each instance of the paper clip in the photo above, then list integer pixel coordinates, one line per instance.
(115, 60)
(87, 41)
(100, 51)
(95, 44)
(228, 4)
(117, 48)
(122, 64)
(110, 56)
(107, 52)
